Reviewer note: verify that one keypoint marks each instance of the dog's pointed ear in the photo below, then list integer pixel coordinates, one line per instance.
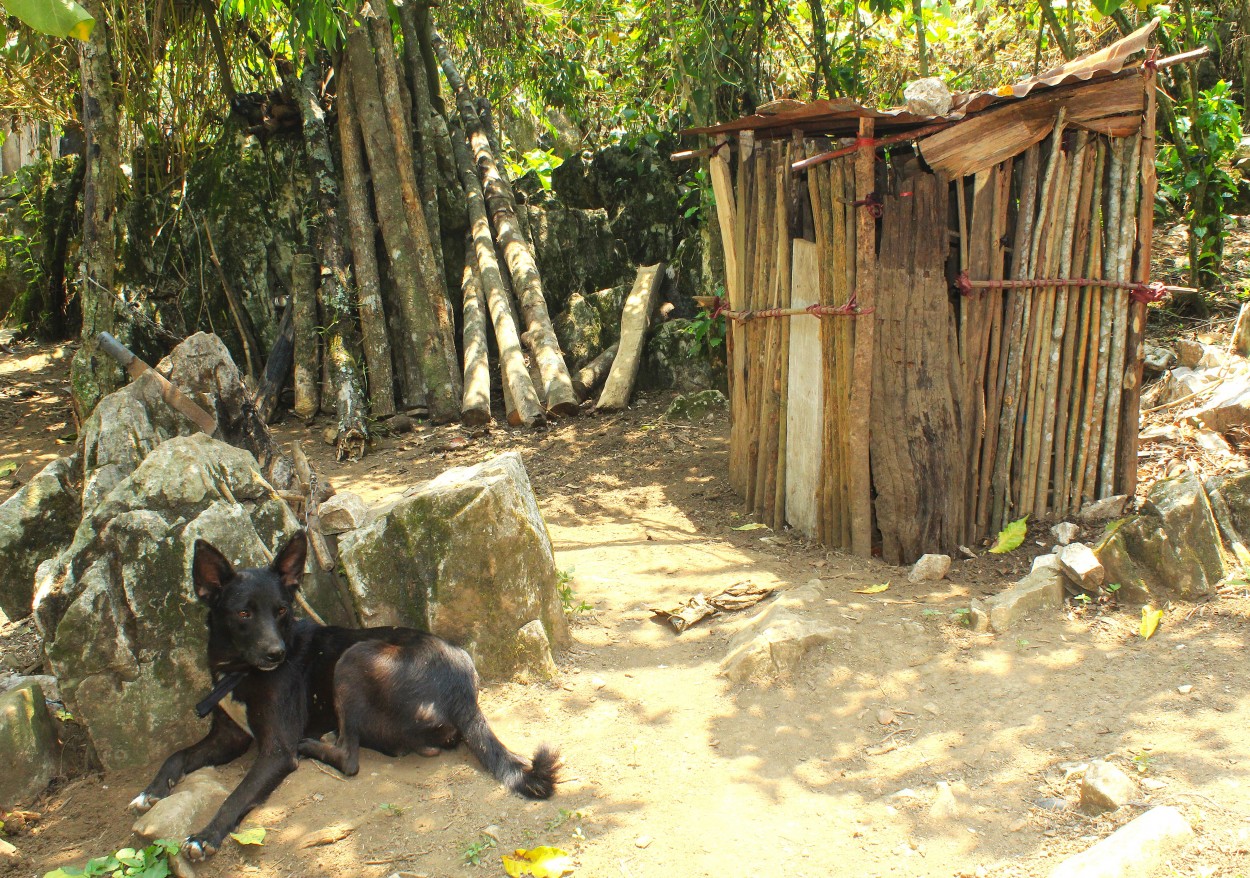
(289, 562)
(210, 571)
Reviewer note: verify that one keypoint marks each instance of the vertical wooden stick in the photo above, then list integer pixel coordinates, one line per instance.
(861, 393)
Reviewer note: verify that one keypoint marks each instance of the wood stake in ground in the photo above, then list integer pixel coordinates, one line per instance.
(861, 392)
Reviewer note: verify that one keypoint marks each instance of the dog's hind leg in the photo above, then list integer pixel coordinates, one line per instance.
(224, 743)
(344, 754)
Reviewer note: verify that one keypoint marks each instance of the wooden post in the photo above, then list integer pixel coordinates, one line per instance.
(307, 344)
(804, 410)
(861, 390)
(593, 373)
(635, 320)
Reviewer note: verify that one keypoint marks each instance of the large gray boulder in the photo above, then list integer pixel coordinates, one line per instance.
(28, 745)
(466, 556)
(128, 424)
(772, 646)
(122, 629)
(672, 360)
(576, 252)
(35, 523)
(1171, 549)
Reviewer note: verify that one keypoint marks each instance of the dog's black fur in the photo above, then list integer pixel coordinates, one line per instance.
(395, 690)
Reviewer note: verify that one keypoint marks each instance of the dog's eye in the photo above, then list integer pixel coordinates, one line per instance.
(281, 611)
(245, 614)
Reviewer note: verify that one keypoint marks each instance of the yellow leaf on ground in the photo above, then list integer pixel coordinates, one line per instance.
(873, 589)
(1150, 618)
(539, 862)
(253, 835)
(1010, 537)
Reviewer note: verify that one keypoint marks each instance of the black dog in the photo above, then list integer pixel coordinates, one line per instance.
(395, 690)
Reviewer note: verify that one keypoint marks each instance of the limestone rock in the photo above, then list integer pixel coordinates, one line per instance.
(28, 745)
(1040, 590)
(1103, 510)
(696, 406)
(671, 360)
(579, 328)
(1226, 407)
(188, 808)
(533, 659)
(1158, 359)
(927, 97)
(1138, 848)
(344, 511)
(1065, 532)
(773, 644)
(945, 806)
(1081, 565)
(1105, 787)
(978, 616)
(1177, 384)
(122, 629)
(1045, 561)
(465, 556)
(576, 252)
(1172, 548)
(1189, 351)
(930, 568)
(35, 523)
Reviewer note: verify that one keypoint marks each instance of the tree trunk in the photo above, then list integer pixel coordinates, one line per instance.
(412, 263)
(541, 338)
(519, 389)
(341, 340)
(93, 374)
(403, 118)
(365, 259)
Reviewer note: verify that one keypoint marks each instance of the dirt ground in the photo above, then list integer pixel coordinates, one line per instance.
(673, 771)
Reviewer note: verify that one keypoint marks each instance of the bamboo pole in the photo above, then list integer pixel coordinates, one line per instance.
(307, 357)
(1044, 258)
(520, 392)
(526, 280)
(1126, 236)
(817, 184)
(1014, 329)
(1076, 255)
(861, 393)
(475, 402)
(846, 337)
(1103, 241)
(757, 331)
(744, 232)
(1137, 310)
(727, 215)
(1059, 323)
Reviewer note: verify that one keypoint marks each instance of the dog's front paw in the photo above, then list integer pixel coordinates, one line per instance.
(197, 848)
(143, 802)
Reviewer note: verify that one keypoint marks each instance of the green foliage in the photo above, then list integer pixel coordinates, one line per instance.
(564, 588)
(1195, 173)
(708, 333)
(58, 18)
(1010, 537)
(474, 851)
(149, 862)
(541, 161)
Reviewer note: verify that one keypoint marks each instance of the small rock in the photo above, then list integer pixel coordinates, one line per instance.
(966, 552)
(930, 568)
(28, 745)
(945, 806)
(773, 644)
(1158, 359)
(1160, 433)
(1082, 566)
(330, 435)
(886, 717)
(1137, 848)
(1051, 803)
(493, 831)
(1065, 532)
(978, 616)
(1040, 590)
(1185, 690)
(1045, 562)
(643, 841)
(1214, 444)
(1103, 510)
(1189, 352)
(186, 809)
(696, 406)
(400, 423)
(932, 709)
(1105, 787)
(7, 850)
(906, 793)
(1153, 784)
(927, 97)
(598, 682)
(343, 512)
(533, 659)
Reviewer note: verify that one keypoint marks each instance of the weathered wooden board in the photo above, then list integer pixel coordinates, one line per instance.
(918, 462)
(982, 141)
(804, 412)
(635, 320)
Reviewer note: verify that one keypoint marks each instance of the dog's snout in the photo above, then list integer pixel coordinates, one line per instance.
(275, 654)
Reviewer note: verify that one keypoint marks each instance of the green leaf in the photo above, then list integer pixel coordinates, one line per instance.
(7, 469)
(755, 525)
(59, 18)
(1010, 537)
(254, 835)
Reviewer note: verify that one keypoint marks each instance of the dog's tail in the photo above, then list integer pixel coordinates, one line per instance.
(533, 779)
